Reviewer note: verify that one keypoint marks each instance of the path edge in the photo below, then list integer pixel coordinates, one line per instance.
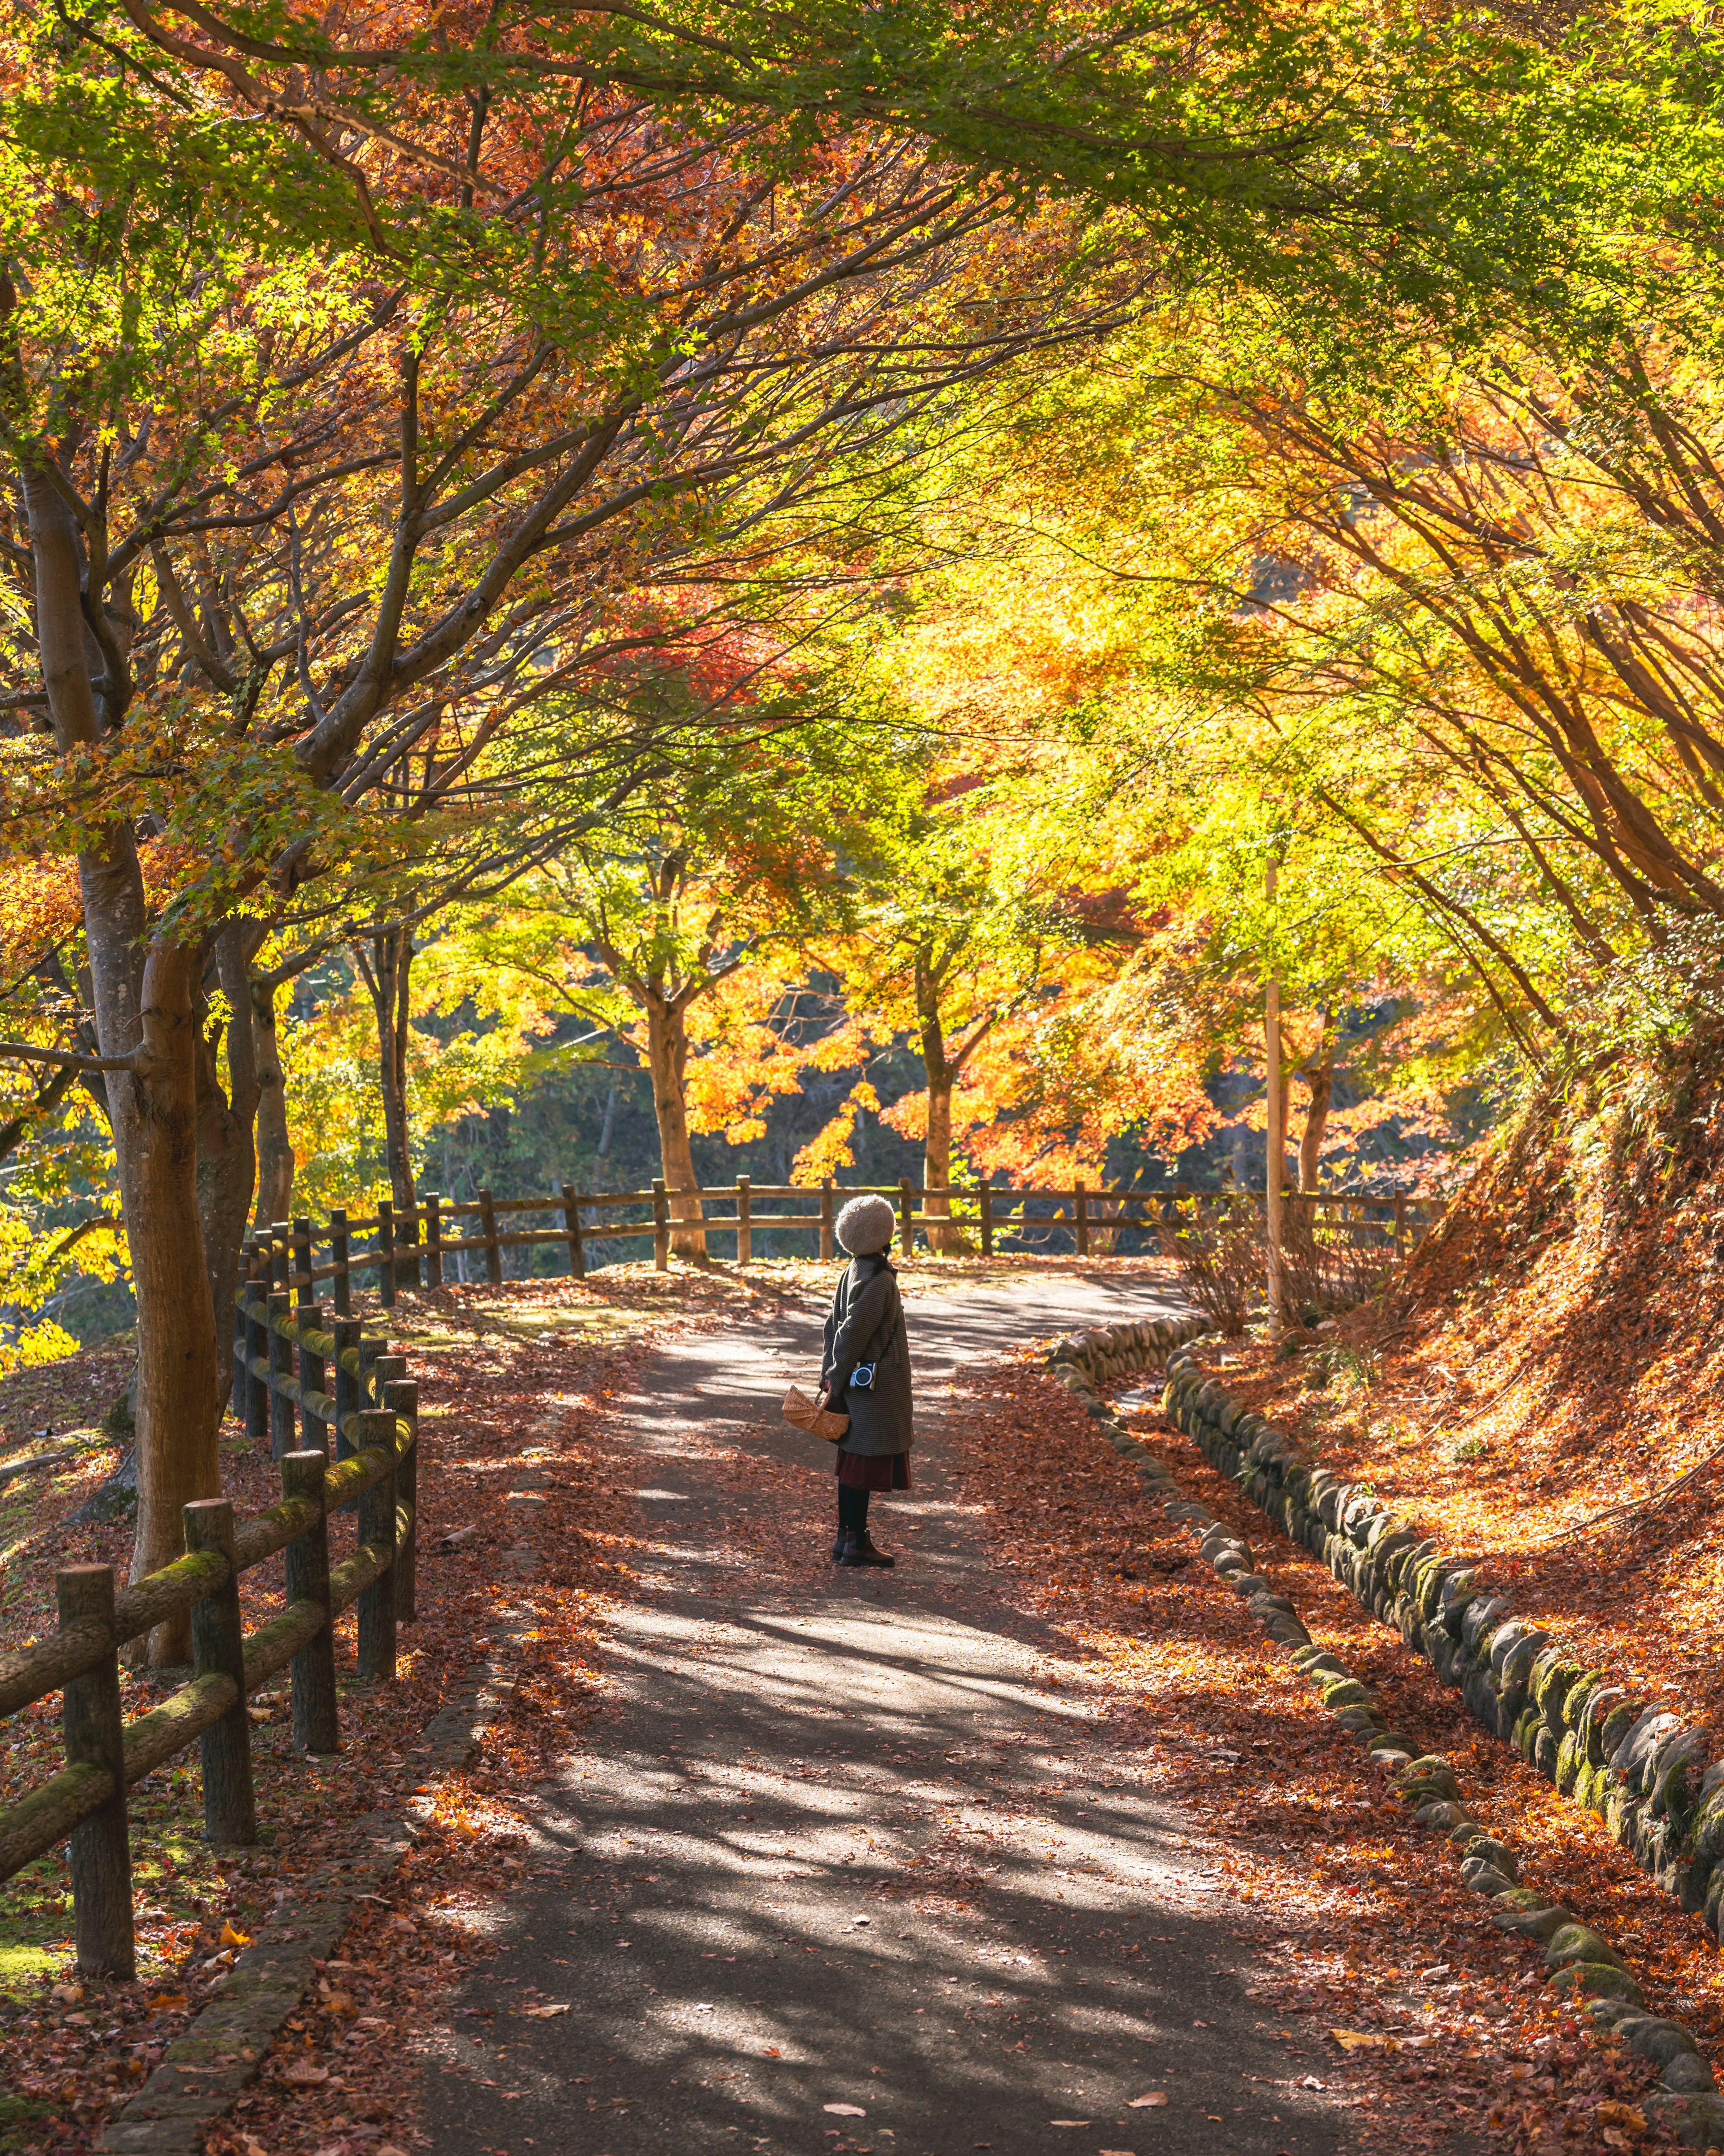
(218, 2057)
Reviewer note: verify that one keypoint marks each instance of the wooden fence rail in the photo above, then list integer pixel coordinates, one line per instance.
(411, 1247)
(372, 1416)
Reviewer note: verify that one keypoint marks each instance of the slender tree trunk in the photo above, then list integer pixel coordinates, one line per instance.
(386, 971)
(667, 1060)
(943, 1238)
(144, 998)
(226, 1157)
(275, 1156)
(1319, 1074)
(608, 1124)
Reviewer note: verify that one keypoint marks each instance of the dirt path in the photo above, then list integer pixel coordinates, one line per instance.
(835, 1869)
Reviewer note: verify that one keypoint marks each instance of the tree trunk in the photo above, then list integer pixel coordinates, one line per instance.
(944, 1235)
(667, 1060)
(156, 1138)
(226, 1157)
(1319, 1074)
(275, 1156)
(945, 1240)
(143, 997)
(386, 974)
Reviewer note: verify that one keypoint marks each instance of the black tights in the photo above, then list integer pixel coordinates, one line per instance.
(852, 1510)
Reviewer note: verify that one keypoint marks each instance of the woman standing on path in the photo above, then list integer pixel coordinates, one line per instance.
(864, 1373)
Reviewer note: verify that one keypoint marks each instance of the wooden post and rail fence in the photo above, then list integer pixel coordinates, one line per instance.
(414, 1247)
(356, 1445)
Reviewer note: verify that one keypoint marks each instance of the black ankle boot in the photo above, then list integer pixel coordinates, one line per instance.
(840, 1546)
(861, 1551)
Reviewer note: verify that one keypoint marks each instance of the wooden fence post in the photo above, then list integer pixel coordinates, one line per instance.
(218, 1649)
(257, 1349)
(1400, 1222)
(377, 1528)
(313, 1378)
(571, 1224)
(369, 1349)
(237, 1397)
(407, 1247)
(985, 1196)
(400, 1397)
(431, 1201)
(826, 1217)
(315, 1720)
(280, 1253)
(745, 1225)
(349, 1399)
(488, 1228)
(301, 1267)
(906, 1216)
(338, 1258)
(661, 1227)
(1080, 1199)
(281, 1406)
(94, 1735)
(386, 1252)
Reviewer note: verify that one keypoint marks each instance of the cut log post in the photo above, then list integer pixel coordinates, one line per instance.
(242, 1375)
(407, 1247)
(314, 1375)
(386, 1253)
(315, 1717)
(377, 1529)
(431, 1201)
(488, 1228)
(985, 1200)
(661, 1227)
(256, 1347)
(1080, 1200)
(400, 1397)
(304, 1291)
(745, 1225)
(343, 1297)
(95, 1734)
(281, 1406)
(826, 1218)
(230, 1819)
(371, 1346)
(571, 1224)
(349, 1400)
(906, 1217)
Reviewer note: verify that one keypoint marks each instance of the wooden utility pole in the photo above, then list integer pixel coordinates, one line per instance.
(1274, 1142)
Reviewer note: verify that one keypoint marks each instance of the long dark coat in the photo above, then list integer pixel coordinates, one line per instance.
(866, 1322)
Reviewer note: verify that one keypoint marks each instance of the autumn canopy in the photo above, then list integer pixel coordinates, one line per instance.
(594, 593)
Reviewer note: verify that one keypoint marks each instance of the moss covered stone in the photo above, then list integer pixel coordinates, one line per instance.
(1585, 1980)
(1576, 1942)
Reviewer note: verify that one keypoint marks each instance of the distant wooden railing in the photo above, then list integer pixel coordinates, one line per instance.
(373, 1417)
(411, 1248)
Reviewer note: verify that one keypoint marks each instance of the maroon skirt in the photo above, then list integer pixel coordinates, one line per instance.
(885, 1471)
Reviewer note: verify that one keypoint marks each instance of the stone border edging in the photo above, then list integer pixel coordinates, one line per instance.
(1582, 1964)
(1639, 1767)
(202, 2073)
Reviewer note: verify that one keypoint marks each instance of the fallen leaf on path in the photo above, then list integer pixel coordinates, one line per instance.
(1155, 2096)
(543, 2013)
(1622, 2114)
(303, 2071)
(230, 1937)
(1068, 2121)
(844, 2110)
(1360, 2039)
